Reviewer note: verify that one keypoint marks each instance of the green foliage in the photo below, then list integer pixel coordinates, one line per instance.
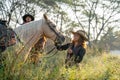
(46, 3)
(97, 67)
(110, 39)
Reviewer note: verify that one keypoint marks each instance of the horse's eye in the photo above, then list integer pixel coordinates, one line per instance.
(54, 26)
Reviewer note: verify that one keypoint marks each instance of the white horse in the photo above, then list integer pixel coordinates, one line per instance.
(31, 32)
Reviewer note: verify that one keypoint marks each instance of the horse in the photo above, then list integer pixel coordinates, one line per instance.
(31, 32)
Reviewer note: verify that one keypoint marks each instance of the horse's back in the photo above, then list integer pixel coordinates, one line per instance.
(26, 31)
(29, 25)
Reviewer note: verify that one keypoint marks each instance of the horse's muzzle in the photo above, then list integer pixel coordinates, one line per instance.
(60, 40)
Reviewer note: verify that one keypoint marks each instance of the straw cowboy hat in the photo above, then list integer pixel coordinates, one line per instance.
(28, 15)
(81, 33)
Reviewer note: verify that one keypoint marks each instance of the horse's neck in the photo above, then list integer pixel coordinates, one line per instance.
(30, 31)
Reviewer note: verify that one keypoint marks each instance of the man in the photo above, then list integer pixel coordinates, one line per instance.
(7, 36)
(2, 24)
(27, 18)
(39, 45)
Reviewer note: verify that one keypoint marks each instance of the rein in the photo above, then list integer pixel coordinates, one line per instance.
(58, 36)
(55, 33)
(50, 52)
(55, 41)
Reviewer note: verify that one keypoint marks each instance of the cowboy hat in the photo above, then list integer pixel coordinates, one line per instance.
(28, 15)
(81, 33)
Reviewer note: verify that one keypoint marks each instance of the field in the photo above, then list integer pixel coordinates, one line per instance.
(95, 66)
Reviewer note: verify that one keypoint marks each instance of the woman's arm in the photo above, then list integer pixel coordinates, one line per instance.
(63, 47)
(80, 55)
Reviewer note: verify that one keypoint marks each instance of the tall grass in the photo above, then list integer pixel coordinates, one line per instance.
(96, 65)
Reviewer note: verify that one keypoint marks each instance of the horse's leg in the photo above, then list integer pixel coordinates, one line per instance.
(27, 47)
(23, 54)
(27, 54)
(36, 50)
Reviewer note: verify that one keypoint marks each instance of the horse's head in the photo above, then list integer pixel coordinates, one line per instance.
(50, 31)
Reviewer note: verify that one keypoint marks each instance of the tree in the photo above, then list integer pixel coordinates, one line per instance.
(12, 10)
(110, 39)
(96, 16)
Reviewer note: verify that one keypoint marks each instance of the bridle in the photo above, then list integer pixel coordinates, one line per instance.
(58, 39)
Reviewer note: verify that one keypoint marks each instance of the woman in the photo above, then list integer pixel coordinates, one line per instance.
(76, 49)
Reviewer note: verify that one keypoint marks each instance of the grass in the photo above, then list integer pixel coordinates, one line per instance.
(95, 66)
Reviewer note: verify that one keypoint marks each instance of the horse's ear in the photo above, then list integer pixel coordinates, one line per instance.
(45, 17)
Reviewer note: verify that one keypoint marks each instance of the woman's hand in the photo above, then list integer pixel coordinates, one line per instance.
(70, 51)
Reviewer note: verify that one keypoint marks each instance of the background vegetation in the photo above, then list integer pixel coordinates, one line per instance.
(95, 66)
(99, 18)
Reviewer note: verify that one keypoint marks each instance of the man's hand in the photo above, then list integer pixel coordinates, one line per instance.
(12, 42)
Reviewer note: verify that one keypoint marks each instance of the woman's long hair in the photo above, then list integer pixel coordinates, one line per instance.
(81, 42)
